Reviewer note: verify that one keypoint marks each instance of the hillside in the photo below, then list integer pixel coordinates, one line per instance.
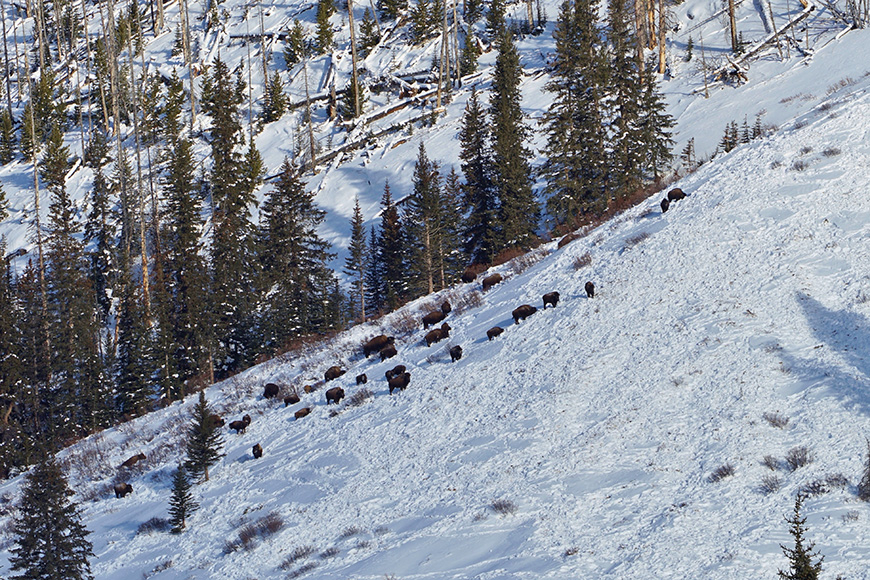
(581, 441)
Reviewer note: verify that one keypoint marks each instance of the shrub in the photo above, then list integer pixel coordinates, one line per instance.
(298, 553)
(831, 151)
(349, 532)
(264, 527)
(770, 462)
(402, 323)
(504, 507)
(581, 262)
(359, 397)
(302, 570)
(153, 525)
(813, 488)
(775, 164)
(770, 484)
(635, 240)
(836, 481)
(522, 263)
(721, 473)
(329, 553)
(798, 457)
(850, 516)
(467, 301)
(799, 165)
(776, 420)
(806, 150)
(864, 484)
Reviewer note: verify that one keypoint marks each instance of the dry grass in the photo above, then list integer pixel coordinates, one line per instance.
(770, 484)
(776, 420)
(522, 263)
(504, 507)
(359, 397)
(583, 261)
(635, 240)
(798, 457)
(298, 553)
(770, 462)
(721, 472)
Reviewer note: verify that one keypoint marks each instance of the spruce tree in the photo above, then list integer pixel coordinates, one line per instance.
(374, 287)
(495, 21)
(654, 130)
(470, 54)
(480, 197)
(324, 36)
(451, 258)
(391, 9)
(4, 208)
(294, 50)
(133, 369)
(519, 212)
(181, 502)
(100, 237)
(800, 558)
(423, 217)
(473, 10)
(275, 100)
(11, 369)
(7, 137)
(392, 249)
(864, 484)
(204, 440)
(50, 540)
(369, 33)
(355, 264)
(347, 104)
(421, 21)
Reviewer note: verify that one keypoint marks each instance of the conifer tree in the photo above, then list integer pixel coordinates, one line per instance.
(181, 502)
(421, 21)
(11, 367)
(495, 21)
(391, 9)
(100, 235)
(4, 208)
(374, 288)
(50, 540)
(864, 484)
(275, 100)
(519, 212)
(294, 50)
(133, 368)
(451, 258)
(324, 36)
(204, 440)
(7, 137)
(355, 264)
(473, 10)
(347, 105)
(423, 217)
(481, 228)
(370, 34)
(470, 54)
(801, 565)
(391, 248)
(654, 130)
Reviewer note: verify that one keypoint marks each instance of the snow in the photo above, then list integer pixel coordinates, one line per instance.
(596, 424)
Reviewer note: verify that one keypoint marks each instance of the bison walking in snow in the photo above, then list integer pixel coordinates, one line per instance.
(240, 426)
(334, 395)
(551, 298)
(523, 312)
(437, 334)
(376, 344)
(122, 489)
(455, 353)
(399, 382)
(494, 332)
(491, 281)
(257, 450)
(332, 373)
(271, 390)
(590, 289)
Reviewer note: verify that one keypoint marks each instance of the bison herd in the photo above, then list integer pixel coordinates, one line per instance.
(675, 194)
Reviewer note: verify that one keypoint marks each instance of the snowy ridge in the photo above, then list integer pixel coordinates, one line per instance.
(594, 426)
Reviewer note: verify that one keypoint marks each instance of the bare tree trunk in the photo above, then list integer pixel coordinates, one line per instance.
(456, 71)
(17, 65)
(733, 22)
(704, 68)
(102, 88)
(6, 60)
(375, 16)
(188, 57)
(88, 69)
(308, 109)
(662, 24)
(445, 48)
(355, 86)
(639, 36)
(772, 23)
(263, 47)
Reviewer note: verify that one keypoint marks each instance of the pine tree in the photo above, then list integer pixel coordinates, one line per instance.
(481, 228)
(519, 212)
(100, 236)
(470, 54)
(473, 11)
(654, 130)
(495, 20)
(294, 50)
(688, 154)
(347, 105)
(392, 9)
(12, 442)
(133, 369)
(4, 209)
(355, 264)
(690, 47)
(375, 299)
(324, 36)
(421, 21)
(576, 169)
(450, 256)
(423, 217)
(801, 565)
(50, 540)
(181, 502)
(391, 248)
(204, 440)
(369, 33)
(7, 137)
(275, 100)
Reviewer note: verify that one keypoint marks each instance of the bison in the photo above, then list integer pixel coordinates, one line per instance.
(491, 281)
(445, 307)
(122, 489)
(271, 390)
(437, 334)
(676, 194)
(303, 412)
(523, 312)
(471, 272)
(590, 289)
(133, 460)
(362, 379)
(493, 332)
(376, 344)
(551, 298)
(388, 351)
(257, 451)
(666, 203)
(291, 399)
(455, 353)
(433, 317)
(332, 373)
(240, 426)
(395, 371)
(567, 239)
(399, 382)
(217, 421)
(335, 394)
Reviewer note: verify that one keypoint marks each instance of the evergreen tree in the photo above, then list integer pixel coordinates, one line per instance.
(11, 368)
(654, 130)
(481, 228)
(35, 355)
(275, 100)
(421, 21)
(347, 105)
(97, 151)
(864, 484)
(374, 287)
(293, 259)
(181, 503)
(519, 212)
(355, 264)
(4, 208)
(294, 50)
(576, 167)
(133, 367)
(100, 237)
(470, 54)
(690, 47)
(801, 565)
(28, 131)
(7, 137)
(473, 11)
(324, 36)
(391, 249)
(423, 217)
(50, 540)
(392, 9)
(204, 440)
(495, 21)
(369, 33)
(451, 259)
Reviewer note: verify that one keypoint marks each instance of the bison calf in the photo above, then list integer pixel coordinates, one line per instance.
(551, 298)
(240, 426)
(455, 353)
(122, 489)
(257, 451)
(133, 460)
(303, 412)
(291, 399)
(523, 312)
(388, 351)
(362, 379)
(493, 332)
(271, 390)
(395, 371)
(438, 334)
(665, 205)
(334, 395)
(491, 281)
(676, 194)
(332, 373)
(376, 344)
(590, 289)
(400, 382)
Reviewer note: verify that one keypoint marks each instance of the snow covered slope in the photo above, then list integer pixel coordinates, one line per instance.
(580, 443)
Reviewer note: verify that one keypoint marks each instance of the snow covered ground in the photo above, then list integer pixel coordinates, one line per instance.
(579, 443)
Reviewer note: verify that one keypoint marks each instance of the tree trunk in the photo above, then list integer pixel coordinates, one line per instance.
(733, 21)
(662, 24)
(355, 86)
(6, 61)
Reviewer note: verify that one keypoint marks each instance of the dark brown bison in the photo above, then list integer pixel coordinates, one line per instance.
(376, 344)
(551, 298)
(240, 426)
(388, 351)
(257, 451)
(433, 317)
(590, 289)
(665, 204)
(122, 489)
(291, 399)
(567, 239)
(399, 382)
(303, 412)
(445, 307)
(271, 390)
(491, 281)
(437, 334)
(335, 394)
(493, 332)
(676, 194)
(395, 371)
(455, 353)
(217, 421)
(332, 373)
(133, 460)
(472, 272)
(362, 379)
(523, 312)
